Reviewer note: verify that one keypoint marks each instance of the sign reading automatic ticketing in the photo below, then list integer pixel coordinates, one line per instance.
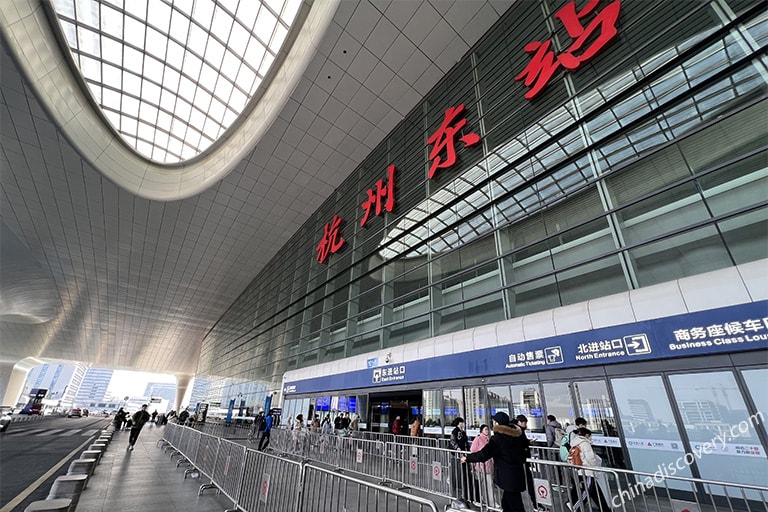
(731, 329)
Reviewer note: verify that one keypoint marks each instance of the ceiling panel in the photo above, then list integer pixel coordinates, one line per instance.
(138, 282)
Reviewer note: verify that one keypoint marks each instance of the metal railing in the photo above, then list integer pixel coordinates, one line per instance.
(269, 482)
(323, 489)
(257, 481)
(559, 484)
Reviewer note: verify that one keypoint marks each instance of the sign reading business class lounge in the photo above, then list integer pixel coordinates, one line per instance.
(730, 329)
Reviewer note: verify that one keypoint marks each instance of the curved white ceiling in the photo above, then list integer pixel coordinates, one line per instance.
(172, 77)
(140, 282)
(36, 48)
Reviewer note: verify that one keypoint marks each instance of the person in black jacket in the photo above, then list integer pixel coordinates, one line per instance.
(508, 455)
(462, 481)
(120, 418)
(140, 418)
(459, 439)
(522, 421)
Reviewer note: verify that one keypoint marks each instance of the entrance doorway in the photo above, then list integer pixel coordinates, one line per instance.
(385, 407)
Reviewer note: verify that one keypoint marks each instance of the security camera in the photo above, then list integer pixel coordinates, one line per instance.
(388, 358)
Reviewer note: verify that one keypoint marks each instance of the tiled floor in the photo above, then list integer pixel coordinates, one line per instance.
(145, 480)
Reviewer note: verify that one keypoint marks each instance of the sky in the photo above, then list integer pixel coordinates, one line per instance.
(133, 384)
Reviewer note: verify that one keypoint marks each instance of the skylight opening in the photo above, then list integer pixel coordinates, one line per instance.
(171, 79)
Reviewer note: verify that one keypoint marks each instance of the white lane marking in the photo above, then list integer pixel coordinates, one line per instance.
(37, 483)
(50, 432)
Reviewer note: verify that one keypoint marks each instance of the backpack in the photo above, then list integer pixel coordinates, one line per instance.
(565, 447)
(559, 435)
(574, 456)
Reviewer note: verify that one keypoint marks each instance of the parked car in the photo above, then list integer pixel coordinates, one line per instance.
(5, 420)
(75, 413)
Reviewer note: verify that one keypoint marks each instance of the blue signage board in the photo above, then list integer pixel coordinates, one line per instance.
(729, 329)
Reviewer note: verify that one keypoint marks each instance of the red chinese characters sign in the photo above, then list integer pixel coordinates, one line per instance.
(374, 200)
(382, 197)
(445, 139)
(587, 42)
(331, 241)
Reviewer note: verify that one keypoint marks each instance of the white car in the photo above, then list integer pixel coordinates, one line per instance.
(5, 420)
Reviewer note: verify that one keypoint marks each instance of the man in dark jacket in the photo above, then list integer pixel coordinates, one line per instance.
(522, 421)
(264, 442)
(508, 456)
(462, 481)
(459, 439)
(139, 419)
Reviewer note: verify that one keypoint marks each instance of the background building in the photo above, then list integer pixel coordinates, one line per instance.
(93, 389)
(61, 380)
(161, 390)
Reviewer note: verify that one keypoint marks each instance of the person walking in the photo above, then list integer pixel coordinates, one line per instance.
(120, 418)
(554, 431)
(139, 419)
(462, 482)
(484, 470)
(264, 441)
(508, 461)
(257, 428)
(416, 427)
(396, 426)
(345, 422)
(298, 433)
(522, 421)
(595, 482)
(326, 427)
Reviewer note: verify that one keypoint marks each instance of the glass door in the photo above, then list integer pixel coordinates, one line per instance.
(557, 397)
(526, 400)
(595, 406)
(433, 419)
(498, 400)
(721, 429)
(651, 436)
(475, 411)
(453, 407)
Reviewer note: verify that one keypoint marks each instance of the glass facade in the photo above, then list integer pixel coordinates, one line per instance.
(641, 417)
(645, 165)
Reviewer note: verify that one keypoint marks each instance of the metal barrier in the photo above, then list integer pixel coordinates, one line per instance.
(205, 460)
(280, 440)
(433, 470)
(558, 484)
(427, 442)
(224, 430)
(228, 469)
(328, 490)
(545, 453)
(257, 481)
(362, 456)
(269, 483)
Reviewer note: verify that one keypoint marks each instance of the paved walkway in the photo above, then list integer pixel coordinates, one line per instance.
(144, 480)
